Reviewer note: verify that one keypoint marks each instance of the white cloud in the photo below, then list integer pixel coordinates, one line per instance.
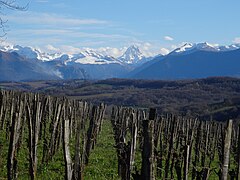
(51, 48)
(114, 52)
(70, 33)
(51, 19)
(168, 38)
(164, 51)
(236, 40)
(69, 49)
(147, 49)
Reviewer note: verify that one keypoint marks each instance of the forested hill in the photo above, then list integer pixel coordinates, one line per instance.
(216, 97)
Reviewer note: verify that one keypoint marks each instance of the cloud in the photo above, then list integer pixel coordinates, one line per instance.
(168, 38)
(164, 51)
(73, 34)
(147, 49)
(51, 48)
(236, 40)
(69, 49)
(52, 19)
(112, 51)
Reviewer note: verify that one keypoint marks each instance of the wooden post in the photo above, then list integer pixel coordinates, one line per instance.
(238, 170)
(34, 119)
(133, 140)
(1, 109)
(186, 165)
(90, 134)
(148, 147)
(170, 148)
(66, 149)
(226, 151)
(14, 142)
(77, 166)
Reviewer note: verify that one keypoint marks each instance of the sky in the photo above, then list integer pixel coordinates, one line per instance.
(156, 26)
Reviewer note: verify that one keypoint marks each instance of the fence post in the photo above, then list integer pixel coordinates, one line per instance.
(238, 172)
(66, 149)
(226, 151)
(186, 158)
(148, 147)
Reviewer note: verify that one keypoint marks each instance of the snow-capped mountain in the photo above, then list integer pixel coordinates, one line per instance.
(132, 55)
(21, 63)
(32, 53)
(87, 56)
(193, 61)
(85, 64)
(190, 48)
(91, 57)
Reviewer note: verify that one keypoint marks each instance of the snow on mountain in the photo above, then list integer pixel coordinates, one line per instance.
(206, 47)
(184, 48)
(31, 53)
(132, 55)
(91, 57)
(87, 56)
(26, 52)
(229, 48)
(189, 48)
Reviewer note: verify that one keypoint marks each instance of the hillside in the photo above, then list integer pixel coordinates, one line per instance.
(196, 64)
(216, 97)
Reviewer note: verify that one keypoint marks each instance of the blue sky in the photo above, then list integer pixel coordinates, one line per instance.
(155, 25)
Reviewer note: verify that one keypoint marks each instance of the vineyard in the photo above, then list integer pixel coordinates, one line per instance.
(173, 147)
(39, 128)
(55, 137)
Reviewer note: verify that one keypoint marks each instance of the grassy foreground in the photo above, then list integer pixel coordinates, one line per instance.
(103, 159)
(102, 163)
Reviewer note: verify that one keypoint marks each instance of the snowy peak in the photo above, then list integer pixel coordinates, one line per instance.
(87, 56)
(132, 55)
(26, 52)
(206, 47)
(91, 57)
(189, 48)
(184, 48)
(229, 48)
(31, 53)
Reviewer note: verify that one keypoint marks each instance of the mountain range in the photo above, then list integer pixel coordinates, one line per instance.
(200, 60)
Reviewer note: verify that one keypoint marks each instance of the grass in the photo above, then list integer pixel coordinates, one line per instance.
(103, 159)
(103, 162)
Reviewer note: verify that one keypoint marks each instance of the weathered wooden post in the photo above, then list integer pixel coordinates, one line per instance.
(171, 130)
(66, 148)
(226, 151)
(238, 170)
(34, 120)
(90, 134)
(134, 131)
(148, 147)
(186, 165)
(14, 143)
(1, 108)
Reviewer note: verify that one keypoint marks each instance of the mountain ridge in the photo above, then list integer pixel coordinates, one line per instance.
(197, 64)
(197, 60)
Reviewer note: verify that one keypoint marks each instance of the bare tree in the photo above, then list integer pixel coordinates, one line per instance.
(12, 5)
